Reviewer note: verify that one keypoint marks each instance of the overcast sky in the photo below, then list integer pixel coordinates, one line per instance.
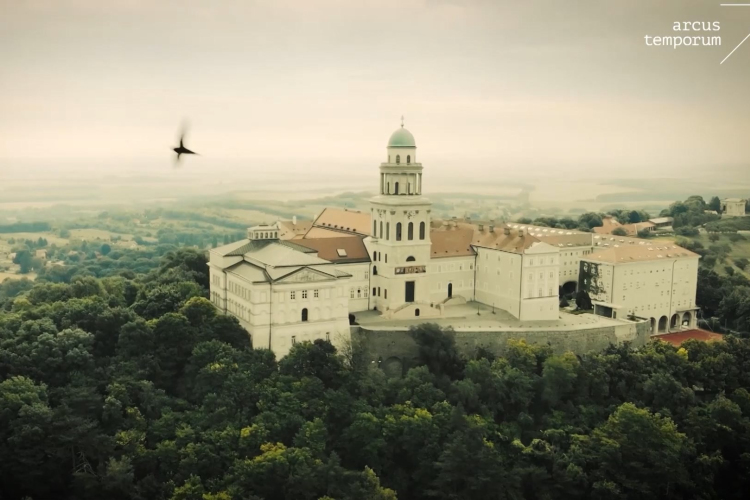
(537, 82)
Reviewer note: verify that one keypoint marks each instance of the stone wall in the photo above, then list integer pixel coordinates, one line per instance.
(395, 350)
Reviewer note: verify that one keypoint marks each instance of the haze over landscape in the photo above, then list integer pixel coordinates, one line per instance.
(282, 95)
(426, 250)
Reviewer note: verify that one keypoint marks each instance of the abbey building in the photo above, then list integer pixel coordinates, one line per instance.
(289, 282)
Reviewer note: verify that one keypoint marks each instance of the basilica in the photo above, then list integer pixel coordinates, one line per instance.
(294, 281)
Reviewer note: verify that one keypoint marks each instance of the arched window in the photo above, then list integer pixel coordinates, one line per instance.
(398, 231)
(398, 159)
(387, 230)
(408, 159)
(378, 291)
(304, 314)
(421, 230)
(388, 189)
(411, 231)
(375, 229)
(395, 187)
(373, 291)
(410, 259)
(385, 293)
(381, 228)
(375, 256)
(374, 270)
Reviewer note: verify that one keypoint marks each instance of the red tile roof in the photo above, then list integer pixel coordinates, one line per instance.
(353, 246)
(677, 338)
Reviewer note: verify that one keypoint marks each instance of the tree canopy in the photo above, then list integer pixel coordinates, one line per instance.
(127, 383)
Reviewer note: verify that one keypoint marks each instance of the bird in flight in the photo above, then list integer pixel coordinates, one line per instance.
(181, 149)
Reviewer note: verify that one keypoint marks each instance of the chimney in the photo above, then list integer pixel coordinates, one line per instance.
(492, 229)
(481, 227)
(294, 220)
(506, 231)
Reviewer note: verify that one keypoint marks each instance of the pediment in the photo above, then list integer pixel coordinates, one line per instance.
(305, 275)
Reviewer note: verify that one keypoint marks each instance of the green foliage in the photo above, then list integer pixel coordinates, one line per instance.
(25, 227)
(132, 386)
(714, 204)
(687, 231)
(618, 231)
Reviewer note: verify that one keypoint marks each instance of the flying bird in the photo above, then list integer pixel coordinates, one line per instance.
(181, 149)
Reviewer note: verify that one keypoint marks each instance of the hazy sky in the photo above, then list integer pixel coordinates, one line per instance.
(534, 82)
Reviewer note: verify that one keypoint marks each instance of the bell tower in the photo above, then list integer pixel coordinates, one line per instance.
(400, 229)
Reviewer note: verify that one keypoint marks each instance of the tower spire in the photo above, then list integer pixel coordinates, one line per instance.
(402, 121)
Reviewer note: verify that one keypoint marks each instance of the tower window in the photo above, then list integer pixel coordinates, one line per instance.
(375, 256)
(411, 231)
(410, 259)
(421, 230)
(395, 185)
(374, 270)
(398, 230)
(375, 228)
(408, 159)
(373, 291)
(304, 314)
(381, 228)
(387, 230)
(398, 159)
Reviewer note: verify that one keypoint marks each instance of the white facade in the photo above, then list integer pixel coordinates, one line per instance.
(452, 277)
(279, 293)
(400, 240)
(662, 289)
(282, 292)
(524, 284)
(732, 207)
(359, 285)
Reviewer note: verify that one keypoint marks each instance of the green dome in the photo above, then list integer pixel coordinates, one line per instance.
(401, 138)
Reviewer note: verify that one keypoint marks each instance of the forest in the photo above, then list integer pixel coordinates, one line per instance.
(130, 386)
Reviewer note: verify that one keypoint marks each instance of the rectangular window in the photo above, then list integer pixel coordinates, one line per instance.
(367, 274)
(365, 293)
(359, 293)
(315, 294)
(328, 336)
(292, 295)
(304, 294)
(351, 293)
(294, 340)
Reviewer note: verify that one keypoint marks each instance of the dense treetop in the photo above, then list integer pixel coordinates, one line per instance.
(132, 387)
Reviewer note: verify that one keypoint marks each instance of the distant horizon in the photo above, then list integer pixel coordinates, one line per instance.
(534, 85)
